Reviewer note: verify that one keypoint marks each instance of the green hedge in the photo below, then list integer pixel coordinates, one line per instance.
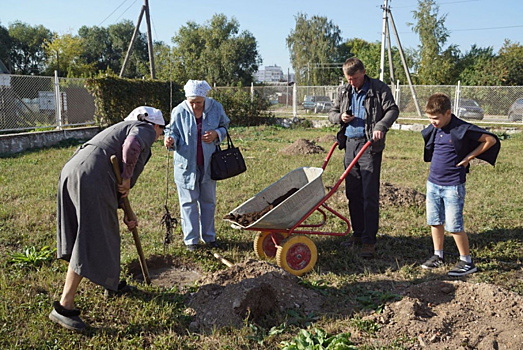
(114, 98)
(241, 109)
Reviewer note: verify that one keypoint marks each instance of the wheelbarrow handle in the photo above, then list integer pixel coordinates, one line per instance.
(130, 214)
(351, 165)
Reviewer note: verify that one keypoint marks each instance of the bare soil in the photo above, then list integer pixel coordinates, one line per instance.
(302, 146)
(452, 314)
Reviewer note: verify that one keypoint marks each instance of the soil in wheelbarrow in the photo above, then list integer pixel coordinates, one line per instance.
(249, 218)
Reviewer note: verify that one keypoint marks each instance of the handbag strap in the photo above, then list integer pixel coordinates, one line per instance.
(229, 140)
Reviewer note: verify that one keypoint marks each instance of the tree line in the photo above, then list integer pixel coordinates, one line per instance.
(223, 55)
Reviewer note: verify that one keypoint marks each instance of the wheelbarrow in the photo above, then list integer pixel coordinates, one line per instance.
(283, 208)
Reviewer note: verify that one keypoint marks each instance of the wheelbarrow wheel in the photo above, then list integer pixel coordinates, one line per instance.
(264, 244)
(297, 255)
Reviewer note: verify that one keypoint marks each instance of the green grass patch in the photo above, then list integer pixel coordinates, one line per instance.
(158, 318)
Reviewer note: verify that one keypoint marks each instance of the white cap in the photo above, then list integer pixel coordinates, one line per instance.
(196, 88)
(149, 114)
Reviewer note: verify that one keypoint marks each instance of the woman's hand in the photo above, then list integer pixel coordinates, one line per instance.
(131, 223)
(209, 136)
(168, 142)
(124, 187)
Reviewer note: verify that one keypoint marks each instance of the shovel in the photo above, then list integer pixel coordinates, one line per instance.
(130, 214)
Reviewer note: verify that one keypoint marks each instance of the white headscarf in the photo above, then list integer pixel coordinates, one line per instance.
(149, 114)
(195, 88)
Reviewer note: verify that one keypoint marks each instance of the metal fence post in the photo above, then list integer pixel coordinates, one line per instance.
(397, 93)
(58, 109)
(295, 100)
(252, 92)
(457, 96)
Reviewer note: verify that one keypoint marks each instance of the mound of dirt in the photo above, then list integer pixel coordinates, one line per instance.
(253, 289)
(454, 315)
(327, 139)
(392, 195)
(302, 146)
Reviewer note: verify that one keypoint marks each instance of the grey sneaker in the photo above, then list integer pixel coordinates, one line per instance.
(434, 262)
(463, 268)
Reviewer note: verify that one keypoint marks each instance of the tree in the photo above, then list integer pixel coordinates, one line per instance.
(314, 44)
(120, 35)
(480, 67)
(434, 67)
(65, 55)
(511, 62)
(106, 49)
(5, 45)
(27, 55)
(162, 60)
(215, 52)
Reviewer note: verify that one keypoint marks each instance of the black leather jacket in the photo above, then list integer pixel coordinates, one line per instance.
(380, 108)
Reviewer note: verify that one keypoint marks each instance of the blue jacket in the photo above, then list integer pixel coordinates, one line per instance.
(182, 128)
(462, 144)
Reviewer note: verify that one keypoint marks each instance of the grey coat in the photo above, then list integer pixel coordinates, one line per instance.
(88, 234)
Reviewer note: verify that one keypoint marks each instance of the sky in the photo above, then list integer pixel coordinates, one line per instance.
(486, 23)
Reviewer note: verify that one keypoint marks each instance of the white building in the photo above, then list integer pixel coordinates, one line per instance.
(269, 74)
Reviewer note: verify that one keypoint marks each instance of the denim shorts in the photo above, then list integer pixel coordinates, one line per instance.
(445, 206)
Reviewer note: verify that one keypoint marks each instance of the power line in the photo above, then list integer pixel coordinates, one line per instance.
(112, 12)
(123, 13)
(486, 28)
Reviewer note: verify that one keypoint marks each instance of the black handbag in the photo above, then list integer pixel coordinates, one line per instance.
(228, 162)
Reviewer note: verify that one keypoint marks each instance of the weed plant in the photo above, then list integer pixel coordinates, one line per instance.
(158, 318)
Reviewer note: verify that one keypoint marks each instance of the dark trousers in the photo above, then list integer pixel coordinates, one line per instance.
(362, 187)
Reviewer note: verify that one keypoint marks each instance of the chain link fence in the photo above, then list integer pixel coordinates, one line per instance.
(484, 104)
(29, 102)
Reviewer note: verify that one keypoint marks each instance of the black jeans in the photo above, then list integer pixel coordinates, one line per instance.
(362, 187)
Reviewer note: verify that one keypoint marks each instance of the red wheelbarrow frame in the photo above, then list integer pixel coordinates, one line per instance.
(321, 203)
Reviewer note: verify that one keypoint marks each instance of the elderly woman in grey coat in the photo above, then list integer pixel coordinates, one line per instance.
(88, 234)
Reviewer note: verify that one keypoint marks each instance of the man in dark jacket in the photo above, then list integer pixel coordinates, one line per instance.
(365, 110)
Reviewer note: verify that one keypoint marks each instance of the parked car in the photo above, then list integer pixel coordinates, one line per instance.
(470, 109)
(309, 101)
(307, 105)
(322, 107)
(515, 112)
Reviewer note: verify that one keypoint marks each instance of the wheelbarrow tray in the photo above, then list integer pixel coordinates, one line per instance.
(286, 214)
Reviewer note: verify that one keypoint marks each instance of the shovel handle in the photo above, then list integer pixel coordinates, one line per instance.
(130, 214)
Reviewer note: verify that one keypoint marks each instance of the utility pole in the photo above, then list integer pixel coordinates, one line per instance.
(383, 35)
(145, 9)
(387, 13)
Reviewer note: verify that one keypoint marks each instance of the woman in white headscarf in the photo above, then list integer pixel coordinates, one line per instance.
(197, 125)
(88, 233)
